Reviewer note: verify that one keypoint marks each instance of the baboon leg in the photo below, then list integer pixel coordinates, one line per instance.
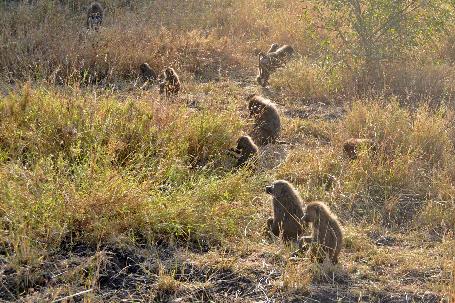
(333, 257)
(265, 79)
(273, 227)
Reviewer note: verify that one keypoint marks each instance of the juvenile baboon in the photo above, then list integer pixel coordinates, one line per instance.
(287, 210)
(245, 150)
(327, 233)
(275, 58)
(169, 82)
(267, 124)
(352, 146)
(95, 15)
(147, 73)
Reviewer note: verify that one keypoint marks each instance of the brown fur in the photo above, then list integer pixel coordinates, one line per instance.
(246, 150)
(95, 15)
(273, 48)
(327, 232)
(352, 146)
(147, 73)
(169, 83)
(287, 210)
(267, 124)
(275, 58)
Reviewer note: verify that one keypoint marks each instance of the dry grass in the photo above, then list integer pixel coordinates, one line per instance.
(108, 188)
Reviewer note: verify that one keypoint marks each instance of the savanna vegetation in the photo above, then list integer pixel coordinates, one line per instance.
(110, 192)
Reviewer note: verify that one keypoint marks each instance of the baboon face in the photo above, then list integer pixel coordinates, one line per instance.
(95, 18)
(168, 72)
(311, 213)
(278, 188)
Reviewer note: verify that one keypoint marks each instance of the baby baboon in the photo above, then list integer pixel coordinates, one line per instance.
(267, 125)
(287, 210)
(352, 146)
(275, 58)
(327, 233)
(245, 150)
(95, 15)
(169, 82)
(147, 73)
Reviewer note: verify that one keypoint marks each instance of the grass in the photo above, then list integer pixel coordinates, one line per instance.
(108, 187)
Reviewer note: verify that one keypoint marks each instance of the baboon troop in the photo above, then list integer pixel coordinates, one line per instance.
(245, 150)
(267, 124)
(147, 74)
(287, 211)
(169, 82)
(95, 15)
(275, 58)
(353, 146)
(327, 234)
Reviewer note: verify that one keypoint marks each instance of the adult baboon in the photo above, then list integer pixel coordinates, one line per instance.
(287, 210)
(95, 15)
(353, 146)
(169, 82)
(267, 124)
(327, 233)
(147, 73)
(275, 58)
(246, 150)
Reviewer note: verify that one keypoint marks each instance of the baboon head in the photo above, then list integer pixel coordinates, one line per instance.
(312, 212)
(279, 188)
(259, 80)
(261, 55)
(255, 107)
(274, 47)
(144, 67)
(95, 18)
(146, 72)
(169, 72)
(243, 143)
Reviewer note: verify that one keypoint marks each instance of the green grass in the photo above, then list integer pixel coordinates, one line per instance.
(95, 168)
(100, 169)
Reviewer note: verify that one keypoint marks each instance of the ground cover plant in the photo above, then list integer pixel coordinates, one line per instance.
(110, 191)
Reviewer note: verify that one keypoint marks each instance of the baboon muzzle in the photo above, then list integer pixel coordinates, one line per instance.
(269, 189)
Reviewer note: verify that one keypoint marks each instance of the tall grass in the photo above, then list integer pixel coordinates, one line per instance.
(406, 180)
(100, 168)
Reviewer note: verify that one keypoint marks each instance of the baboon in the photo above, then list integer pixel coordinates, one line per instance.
(169, 82)
(287, 210)
(95, 15)
(267, 124)
(147, 73)
(275, 58)
(273, 48)
(245, 150)
(352, 146)
(327, 233)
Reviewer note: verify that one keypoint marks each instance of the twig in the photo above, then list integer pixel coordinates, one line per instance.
(73, 295)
